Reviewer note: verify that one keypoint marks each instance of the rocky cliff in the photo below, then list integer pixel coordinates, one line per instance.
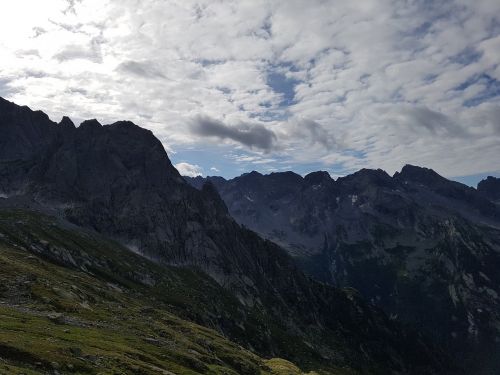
(423, 248)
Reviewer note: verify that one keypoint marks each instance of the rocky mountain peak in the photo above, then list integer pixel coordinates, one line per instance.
(210, 192)
(417, 174)
(287, 177)
(318, 177)
(67, 123)
(252, 174)
(365, 178)
(90, 125)
(23, 132)
(490, 188)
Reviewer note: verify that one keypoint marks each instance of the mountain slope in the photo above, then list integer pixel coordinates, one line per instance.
(118, 181)
(101, 308)
(423, 248)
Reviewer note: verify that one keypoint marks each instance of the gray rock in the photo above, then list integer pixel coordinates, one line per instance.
(422, 247)
(55, 317)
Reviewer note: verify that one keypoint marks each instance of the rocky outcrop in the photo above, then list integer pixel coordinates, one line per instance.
(490, 188)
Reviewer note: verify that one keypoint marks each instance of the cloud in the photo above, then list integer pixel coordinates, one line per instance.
(91, 52)
(141, 69)
(190, 170)
(214, 169)
(71, 6)
(316, 84)
(37, 31)
(250, 135)
(306, 130)
(29, 52)
(5, 88)
(421, 120)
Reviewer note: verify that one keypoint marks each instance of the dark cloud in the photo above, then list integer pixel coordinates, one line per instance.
(432, 121)
(250, 135)
(308, 132)
(316, 133)
(141, 69)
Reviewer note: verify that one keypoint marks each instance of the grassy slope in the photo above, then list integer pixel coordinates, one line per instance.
(107, 310)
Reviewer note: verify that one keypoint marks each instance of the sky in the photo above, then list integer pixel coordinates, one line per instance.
(303, 85)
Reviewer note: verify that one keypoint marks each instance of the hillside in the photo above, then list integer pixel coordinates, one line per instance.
(75, 302)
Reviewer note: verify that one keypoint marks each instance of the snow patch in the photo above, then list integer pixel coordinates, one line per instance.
(248, 198)
(354, 198)
(3, 195)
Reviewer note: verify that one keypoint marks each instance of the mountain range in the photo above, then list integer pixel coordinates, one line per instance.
(421, 247)
(100, 232)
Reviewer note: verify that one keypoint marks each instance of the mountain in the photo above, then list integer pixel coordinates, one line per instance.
(72, 301)
(116, 181)
(423, 248)
(490, 188)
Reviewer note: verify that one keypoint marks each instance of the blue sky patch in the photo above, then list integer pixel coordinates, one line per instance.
(283, 85)
(467, 56)
(492, 90)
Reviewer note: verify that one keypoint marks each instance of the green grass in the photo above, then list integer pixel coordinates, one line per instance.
(96, 313)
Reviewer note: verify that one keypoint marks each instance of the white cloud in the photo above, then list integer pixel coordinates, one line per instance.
(190, 170)
(377, 83)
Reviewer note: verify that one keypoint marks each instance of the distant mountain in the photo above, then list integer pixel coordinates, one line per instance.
(117, 180)
(424, 248)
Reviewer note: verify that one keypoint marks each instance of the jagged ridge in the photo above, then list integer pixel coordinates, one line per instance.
(118, 180)
(416, 244)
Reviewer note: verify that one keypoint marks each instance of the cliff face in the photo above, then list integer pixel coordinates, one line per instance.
(73, 301)
(423, 248)
(117, 180)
